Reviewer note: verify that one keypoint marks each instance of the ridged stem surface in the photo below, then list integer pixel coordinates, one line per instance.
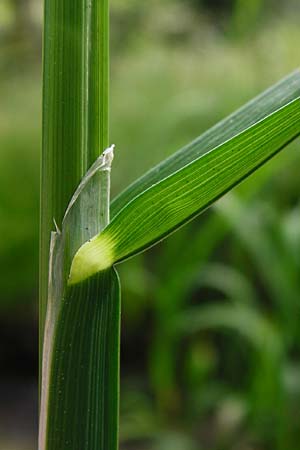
(75, 109)
(79, 326)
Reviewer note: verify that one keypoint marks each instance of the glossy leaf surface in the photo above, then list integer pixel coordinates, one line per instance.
(170, 203)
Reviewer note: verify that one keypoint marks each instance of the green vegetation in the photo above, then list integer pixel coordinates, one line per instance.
(80, 292)
(79, 363)
(211, 343)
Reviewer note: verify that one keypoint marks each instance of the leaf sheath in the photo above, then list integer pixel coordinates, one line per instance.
(83, 404)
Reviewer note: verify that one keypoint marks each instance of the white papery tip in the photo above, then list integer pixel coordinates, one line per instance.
(108, 156)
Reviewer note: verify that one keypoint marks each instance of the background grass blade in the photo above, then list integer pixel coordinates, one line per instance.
(244, 319)
(269, 253)
(178, 198)
(254, 111)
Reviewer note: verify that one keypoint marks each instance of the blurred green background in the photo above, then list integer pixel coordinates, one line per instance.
(210, 329)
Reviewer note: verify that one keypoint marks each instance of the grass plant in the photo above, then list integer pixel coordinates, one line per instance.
(80, 245)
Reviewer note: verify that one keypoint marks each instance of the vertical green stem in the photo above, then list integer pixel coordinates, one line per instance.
(80, 385)
(75, 110)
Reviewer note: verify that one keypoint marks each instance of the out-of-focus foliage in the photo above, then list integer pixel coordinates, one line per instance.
(19, 188)
(178, 66)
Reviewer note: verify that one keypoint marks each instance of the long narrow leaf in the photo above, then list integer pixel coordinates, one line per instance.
(254, 111)
(242, 319)
(178, 198)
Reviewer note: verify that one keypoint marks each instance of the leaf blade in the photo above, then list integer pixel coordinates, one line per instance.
(252, 112)
(239, 318)
(167, 205)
